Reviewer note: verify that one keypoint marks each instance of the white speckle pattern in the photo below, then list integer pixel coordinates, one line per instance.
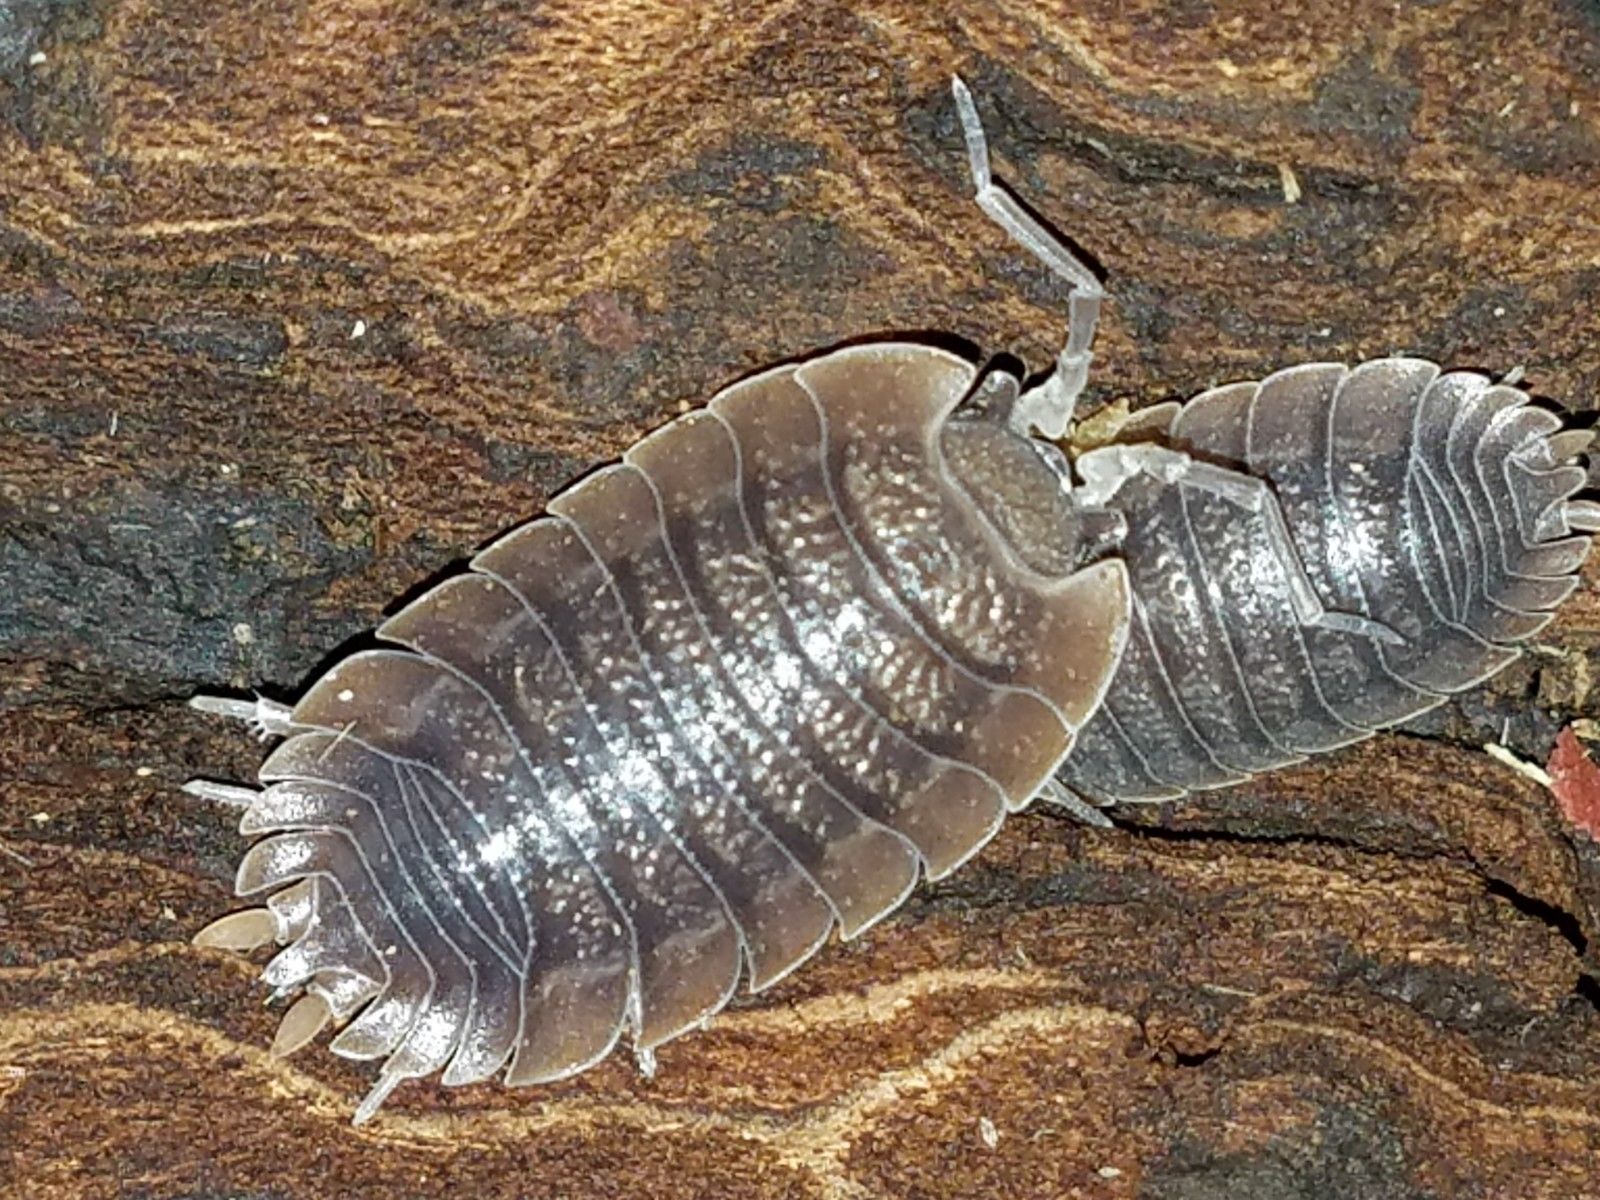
(666, 738)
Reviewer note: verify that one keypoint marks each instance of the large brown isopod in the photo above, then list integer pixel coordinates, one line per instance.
(820, 637)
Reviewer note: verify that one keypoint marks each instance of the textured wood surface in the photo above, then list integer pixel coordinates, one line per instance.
(301, 302)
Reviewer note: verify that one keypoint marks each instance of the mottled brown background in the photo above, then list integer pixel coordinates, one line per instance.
(556, 225)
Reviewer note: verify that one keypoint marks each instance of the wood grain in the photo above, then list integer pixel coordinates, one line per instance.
(301, 302)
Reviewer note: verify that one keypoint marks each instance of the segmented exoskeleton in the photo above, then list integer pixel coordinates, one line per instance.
(1434, 505)
(820, 637)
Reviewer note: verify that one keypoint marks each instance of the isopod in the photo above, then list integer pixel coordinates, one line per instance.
(819, 638)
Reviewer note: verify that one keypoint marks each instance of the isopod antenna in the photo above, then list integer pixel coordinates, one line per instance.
(1047, 406)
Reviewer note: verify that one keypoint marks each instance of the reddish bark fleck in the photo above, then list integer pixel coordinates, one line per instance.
(1575, 779)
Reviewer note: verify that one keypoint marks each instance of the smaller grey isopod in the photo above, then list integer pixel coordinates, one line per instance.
(816, 640)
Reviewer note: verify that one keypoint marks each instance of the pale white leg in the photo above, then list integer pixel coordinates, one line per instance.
(1253, 494)
(1047, 407)
(1105, 470)
(266, 717)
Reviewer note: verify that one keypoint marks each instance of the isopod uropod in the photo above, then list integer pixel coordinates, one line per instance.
(821, 636)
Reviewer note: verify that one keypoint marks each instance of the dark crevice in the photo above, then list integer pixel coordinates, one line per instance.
(1161, 1050)
(1558, 919)
(1237, 837)
(1197, 1058)
(1588, 989)
(1566, 924)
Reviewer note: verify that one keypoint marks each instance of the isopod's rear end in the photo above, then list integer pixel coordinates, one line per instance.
(1431, 515)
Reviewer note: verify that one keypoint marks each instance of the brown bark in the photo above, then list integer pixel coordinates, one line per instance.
(301, 302)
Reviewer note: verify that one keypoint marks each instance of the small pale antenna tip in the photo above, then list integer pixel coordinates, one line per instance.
(972, 132)
(645, 1057)
(224, 706)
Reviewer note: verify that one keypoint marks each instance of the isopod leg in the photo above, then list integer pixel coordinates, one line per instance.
(1048, 406)
(267, 718)
(1104, 471)
(1255, 495)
